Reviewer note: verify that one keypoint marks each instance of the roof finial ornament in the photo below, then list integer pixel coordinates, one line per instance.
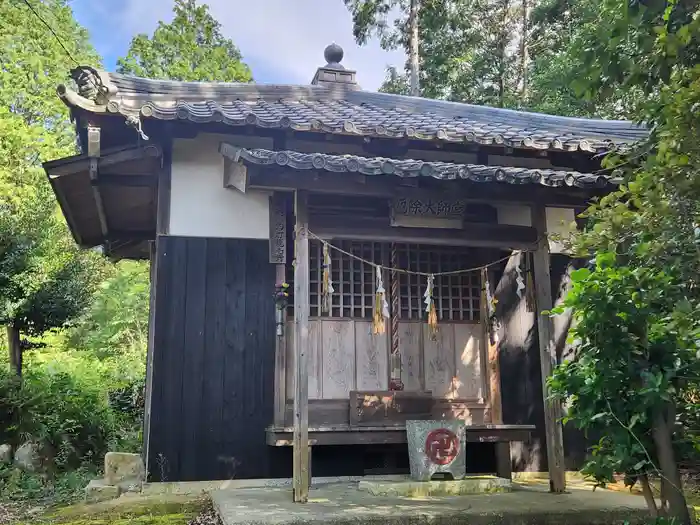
(333, 55)
(334, 73)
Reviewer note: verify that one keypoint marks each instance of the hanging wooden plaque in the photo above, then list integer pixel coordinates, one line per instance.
(278, 229)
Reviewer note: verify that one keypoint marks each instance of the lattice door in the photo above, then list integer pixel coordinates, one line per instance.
(457, 297)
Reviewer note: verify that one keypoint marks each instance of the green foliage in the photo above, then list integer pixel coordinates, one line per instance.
(22, 487)
(374, 18)
(395, 82)
(631, 358)
(75, 406)
(636, 372)
(191, 47)
(66, 413)
(469, 50)
(116, 323)
(44, 279)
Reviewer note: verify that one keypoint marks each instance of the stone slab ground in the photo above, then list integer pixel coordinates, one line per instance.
(344, 504)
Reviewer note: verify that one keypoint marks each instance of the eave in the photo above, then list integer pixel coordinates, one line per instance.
(116, 208)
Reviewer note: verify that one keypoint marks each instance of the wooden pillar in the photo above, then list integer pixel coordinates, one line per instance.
(280, 357)
(301, 477)
(548, 355)
(278, 257)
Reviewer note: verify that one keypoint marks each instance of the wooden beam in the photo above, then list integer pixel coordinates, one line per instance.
(301, 474)
(82, 162)
(163, 193)
(285, 179)
(131, 235)
(132, 181)
(548, 355)
(97, 196)
(148, 395)
(478, 235)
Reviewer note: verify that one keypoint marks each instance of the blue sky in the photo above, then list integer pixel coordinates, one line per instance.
(281, 40)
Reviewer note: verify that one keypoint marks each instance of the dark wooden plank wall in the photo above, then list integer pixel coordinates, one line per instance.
(521, 385)
(213, 361)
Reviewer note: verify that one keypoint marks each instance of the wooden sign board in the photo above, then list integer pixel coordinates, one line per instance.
(418, 212)
(389, 407)
(278, 229)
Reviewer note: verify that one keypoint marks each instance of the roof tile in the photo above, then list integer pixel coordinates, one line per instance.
(417, 168)
(347, 110)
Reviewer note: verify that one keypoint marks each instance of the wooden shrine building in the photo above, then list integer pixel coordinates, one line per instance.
(232, 190)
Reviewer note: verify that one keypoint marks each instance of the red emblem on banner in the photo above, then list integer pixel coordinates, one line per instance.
(441, 446)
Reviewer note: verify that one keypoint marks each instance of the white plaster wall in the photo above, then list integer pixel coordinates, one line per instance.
(558, 221)
(200, 206)
(513, 214)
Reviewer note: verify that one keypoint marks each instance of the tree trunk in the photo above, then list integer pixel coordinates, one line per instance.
(15, 348)
(662, 433)
(648, 495)
(413, 48)
(524, 50)
(503, 36)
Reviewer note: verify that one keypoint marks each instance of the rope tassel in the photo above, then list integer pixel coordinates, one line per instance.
(519, 281)
(381, 306)
(327, 285)
(430, 305)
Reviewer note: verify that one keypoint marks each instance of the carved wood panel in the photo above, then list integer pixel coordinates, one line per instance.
(338, 351)
(372, 358)
(469, 348)
(314, 360)
(410, 345)
(439, 360)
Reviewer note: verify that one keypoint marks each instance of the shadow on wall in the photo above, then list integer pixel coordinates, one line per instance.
(521, 383)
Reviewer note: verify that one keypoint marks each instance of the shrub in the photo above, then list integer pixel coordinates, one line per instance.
(10, 406)
(127, 405)
(67, 415)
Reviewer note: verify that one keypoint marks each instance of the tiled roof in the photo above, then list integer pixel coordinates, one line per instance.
(416, 168)
(342, 109)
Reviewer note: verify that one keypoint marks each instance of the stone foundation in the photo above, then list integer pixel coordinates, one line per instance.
(123, 473)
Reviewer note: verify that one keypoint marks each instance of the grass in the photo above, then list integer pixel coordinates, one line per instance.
(34, 499)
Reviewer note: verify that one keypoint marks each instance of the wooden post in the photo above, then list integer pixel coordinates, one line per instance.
(493, 369)
(301, 480)
(280, 358)
(548, 356)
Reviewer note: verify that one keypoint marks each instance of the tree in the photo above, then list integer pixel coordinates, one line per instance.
(44, 279)
(190, 48)
(638, 307)
(469, 50)
(116, 323)
(562, 31)
(372, 18)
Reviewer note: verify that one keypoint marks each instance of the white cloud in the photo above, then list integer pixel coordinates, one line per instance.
(283, 36)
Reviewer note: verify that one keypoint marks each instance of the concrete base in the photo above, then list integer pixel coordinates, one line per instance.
(419, 489)
(97, 490)
(343, 504)
(206, 487)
